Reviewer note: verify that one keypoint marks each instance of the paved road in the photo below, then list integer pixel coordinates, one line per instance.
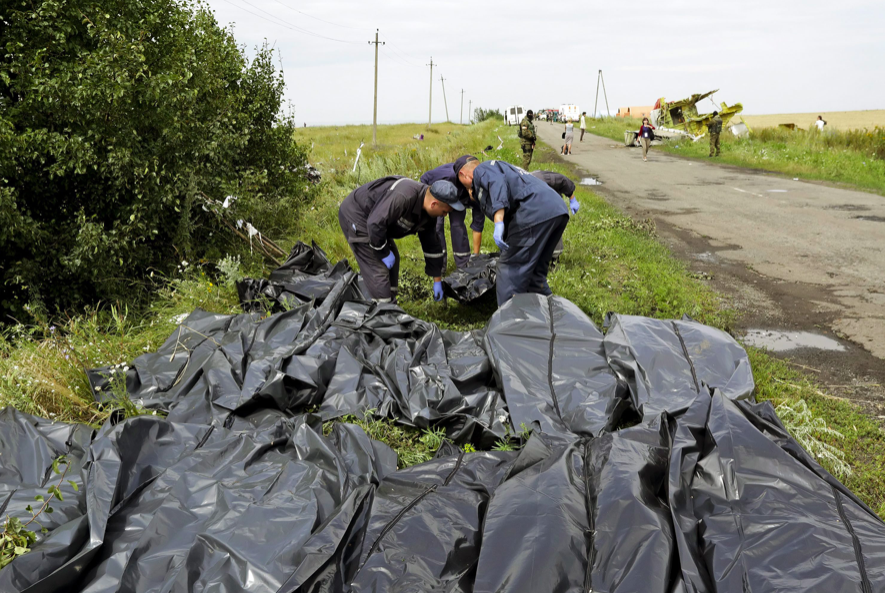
(820, 248)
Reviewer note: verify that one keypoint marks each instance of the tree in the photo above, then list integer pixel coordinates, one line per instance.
(116, 118)
(480, 114)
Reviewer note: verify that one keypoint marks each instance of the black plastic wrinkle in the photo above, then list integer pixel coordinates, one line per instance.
(649, 467)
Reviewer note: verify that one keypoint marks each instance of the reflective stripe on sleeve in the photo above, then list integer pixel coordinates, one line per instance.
(378, 248)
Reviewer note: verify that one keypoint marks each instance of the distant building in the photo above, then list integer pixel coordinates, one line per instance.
(637, 112)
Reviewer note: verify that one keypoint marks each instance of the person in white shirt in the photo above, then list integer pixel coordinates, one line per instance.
(820, 123)
(583, 125)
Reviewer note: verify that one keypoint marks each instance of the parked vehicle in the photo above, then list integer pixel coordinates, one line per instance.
(569, 112)
(514, 114)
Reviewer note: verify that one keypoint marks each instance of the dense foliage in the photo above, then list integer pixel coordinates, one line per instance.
(481, 115)
(117, 119)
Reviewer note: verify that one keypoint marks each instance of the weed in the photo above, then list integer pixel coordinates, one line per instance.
(806, 428)
(15, 538)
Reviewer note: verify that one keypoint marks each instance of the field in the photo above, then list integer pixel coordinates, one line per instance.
(611, 263)
(849, 157)
(836, 120)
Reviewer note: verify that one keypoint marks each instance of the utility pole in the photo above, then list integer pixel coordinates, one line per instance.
(600, 79)
(470, 110)
(462, 108)
(443, 81)
(608, 111)
(375, 112)
(430, 108)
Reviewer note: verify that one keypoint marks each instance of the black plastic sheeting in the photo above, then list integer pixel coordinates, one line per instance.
(474, 281)
(649, 467)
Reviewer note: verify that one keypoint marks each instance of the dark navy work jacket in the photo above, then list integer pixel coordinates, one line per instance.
(526, 200)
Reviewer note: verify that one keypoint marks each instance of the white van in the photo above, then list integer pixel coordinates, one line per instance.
(514, 114)
(569, 112)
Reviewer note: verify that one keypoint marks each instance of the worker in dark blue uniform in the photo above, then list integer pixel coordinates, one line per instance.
(460, 242)
(375, 214)
(566, 188)
(529, 218)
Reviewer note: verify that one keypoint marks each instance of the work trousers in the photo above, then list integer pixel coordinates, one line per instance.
(714, 144)
(646, 142)
(523, 266)
(381, 283)
(527, 156)
(582, 135)
(460, 240)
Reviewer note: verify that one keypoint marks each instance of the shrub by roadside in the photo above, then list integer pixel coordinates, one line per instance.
(116, 119)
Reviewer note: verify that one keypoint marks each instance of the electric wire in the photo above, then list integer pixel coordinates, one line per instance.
(278, 21)
(321, 20)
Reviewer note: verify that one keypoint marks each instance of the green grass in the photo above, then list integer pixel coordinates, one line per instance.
(852, 157)
(611, 263)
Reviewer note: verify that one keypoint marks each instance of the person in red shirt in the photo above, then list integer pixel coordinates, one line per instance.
(646, 135)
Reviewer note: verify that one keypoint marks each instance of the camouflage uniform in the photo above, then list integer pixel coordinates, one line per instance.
(715, 128)
(527, 139)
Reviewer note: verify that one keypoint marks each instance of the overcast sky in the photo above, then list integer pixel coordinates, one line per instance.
(774, 56)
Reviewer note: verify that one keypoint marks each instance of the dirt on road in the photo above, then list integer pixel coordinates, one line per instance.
(789, 255)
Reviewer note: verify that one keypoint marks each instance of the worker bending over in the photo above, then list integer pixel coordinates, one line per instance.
(529, 220)
(566, 188)
(375, 214)
(460, 242)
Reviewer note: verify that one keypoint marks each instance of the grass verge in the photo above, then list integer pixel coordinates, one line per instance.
(611, 263)
(851, 157)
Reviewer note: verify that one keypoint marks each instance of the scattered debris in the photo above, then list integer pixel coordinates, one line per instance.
(682, 117)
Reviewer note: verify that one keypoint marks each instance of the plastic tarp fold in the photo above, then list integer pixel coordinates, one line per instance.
(649, 466)
(473, 281)
(550, 359)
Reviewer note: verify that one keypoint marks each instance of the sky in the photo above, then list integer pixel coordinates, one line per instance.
(773, 56)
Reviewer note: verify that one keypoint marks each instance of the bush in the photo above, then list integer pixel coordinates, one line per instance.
(116, 119)
(481, 115)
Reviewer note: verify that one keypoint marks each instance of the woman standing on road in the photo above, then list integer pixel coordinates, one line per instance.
(646, 135)
(569, 138)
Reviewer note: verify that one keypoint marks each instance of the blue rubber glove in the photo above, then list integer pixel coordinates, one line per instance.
(438, 291)
(389, 260)
(573, 206)
(499, 236)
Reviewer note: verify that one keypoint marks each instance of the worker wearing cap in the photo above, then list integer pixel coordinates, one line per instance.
(375, 214)
(529, 218)
(460, 242)
(527, 138)
(564, 187)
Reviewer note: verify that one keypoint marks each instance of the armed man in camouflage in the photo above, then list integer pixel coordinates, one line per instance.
(527, 138)
(715, 128)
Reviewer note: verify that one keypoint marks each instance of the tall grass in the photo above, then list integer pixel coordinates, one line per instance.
(853, 157)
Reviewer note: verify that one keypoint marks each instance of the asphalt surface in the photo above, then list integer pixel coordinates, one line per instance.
(789, 254)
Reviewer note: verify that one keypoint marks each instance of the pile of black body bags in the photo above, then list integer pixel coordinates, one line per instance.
(649, 466)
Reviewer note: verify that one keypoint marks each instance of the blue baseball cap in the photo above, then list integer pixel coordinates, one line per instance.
(445, 191)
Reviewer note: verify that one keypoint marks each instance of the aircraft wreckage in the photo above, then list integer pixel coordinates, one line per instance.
(681, 118)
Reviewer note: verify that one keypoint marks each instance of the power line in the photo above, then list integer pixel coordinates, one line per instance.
(395, 47)
(399, 60)
(278, 21)
(321, 20)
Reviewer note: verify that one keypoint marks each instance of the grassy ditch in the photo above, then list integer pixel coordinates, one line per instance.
(852, 157)
(611, 263)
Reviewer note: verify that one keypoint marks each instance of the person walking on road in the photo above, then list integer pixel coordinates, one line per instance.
(564, 187)
(715, 128)
(375, 214)
(583, 125)
(457, 218)
(529, 220)
(527, 138)
(569, 138)
(646, 135)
